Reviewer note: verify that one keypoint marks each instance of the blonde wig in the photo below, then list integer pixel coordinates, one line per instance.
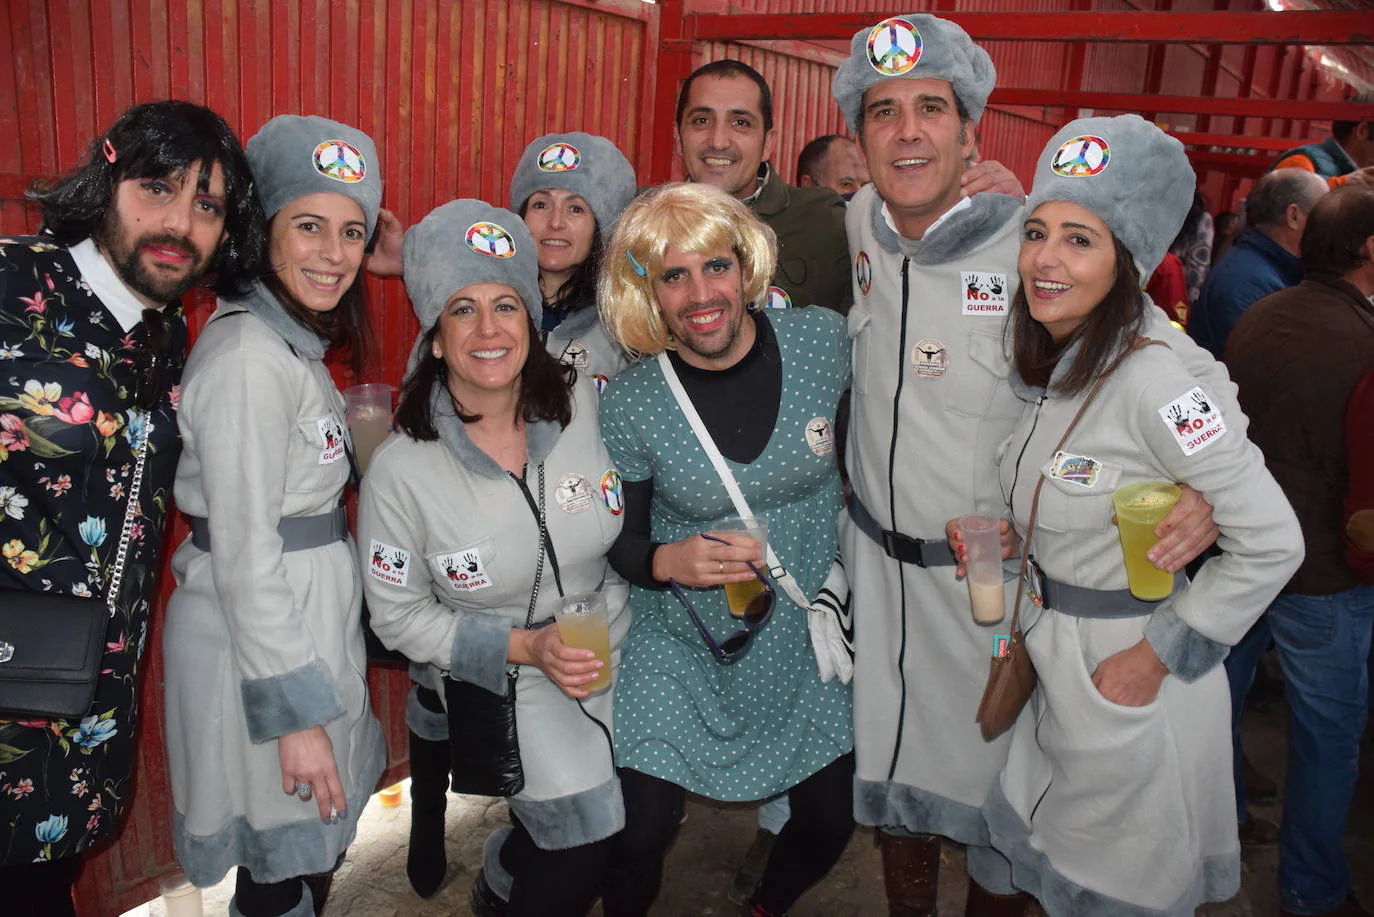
(689, 217)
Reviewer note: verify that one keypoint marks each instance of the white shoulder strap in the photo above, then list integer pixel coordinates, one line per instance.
(775, 567)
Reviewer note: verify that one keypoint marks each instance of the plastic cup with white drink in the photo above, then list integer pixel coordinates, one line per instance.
(983, 539)
(369, 418)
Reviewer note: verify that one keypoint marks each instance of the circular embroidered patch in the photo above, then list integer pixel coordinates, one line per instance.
(819, 436)
(777, 298)
(863, 272)
(894, 46)
(1081, 157)
(559, 157)
(490, 239)
(339, 160)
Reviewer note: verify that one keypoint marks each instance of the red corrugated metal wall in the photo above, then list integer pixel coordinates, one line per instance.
(453, 90)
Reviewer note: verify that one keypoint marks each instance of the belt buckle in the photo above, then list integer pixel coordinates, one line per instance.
(893, 541)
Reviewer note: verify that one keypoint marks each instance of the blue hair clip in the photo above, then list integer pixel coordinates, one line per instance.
(638, 268)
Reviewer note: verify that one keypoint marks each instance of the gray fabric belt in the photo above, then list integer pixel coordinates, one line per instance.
(922, 552)
(297, 532)
(1082, 602)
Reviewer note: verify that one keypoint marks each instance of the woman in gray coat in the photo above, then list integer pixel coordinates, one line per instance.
(1116, 797)
(272, 743)
(496, 440)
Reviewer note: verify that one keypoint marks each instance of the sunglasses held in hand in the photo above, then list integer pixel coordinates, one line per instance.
(756, 615)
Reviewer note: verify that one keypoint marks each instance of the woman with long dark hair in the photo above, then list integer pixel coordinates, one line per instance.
(492, 500)
(273, 746)
(570, 189)
(1116, 798)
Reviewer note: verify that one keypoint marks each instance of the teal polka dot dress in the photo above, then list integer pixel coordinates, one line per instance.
(760, 726)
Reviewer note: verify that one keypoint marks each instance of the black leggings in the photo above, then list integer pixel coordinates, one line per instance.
(811, 842)
(552, 883)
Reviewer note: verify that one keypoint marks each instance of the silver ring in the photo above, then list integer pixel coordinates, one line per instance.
(303, 792)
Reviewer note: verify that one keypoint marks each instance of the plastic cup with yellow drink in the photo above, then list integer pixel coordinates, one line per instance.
(1139, 508)
(737, 595)
(584, 624)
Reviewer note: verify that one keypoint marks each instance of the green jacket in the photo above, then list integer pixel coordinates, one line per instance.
(813, 251)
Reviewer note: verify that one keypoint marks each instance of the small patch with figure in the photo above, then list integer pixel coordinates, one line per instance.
(777, 298)
(389, 564)
(1076, 469)
(984, 293)
(463, 570)
(929, 358)
(600, 381)
(333, 434)
(1194, 421)
(575, 355)
(573, 494)
(490, 239)
(819, 436)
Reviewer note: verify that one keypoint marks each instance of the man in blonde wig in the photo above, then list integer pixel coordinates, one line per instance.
(731, 707)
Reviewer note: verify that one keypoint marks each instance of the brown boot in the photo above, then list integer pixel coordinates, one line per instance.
(983, 903)
(911, 872)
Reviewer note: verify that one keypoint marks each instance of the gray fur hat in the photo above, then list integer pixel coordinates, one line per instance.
(584, 164)
(1132, 175)
(914, 46)
(295, 155)
(465, 242)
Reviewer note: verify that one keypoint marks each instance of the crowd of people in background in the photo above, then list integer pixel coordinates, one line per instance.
(605, 381)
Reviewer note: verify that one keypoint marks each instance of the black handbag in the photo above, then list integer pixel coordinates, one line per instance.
(51, 645)
(484, 746)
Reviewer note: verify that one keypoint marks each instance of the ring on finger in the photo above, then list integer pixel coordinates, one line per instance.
(303, 792)
(722, 566)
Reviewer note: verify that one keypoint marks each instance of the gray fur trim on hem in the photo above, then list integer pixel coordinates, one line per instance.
(571, 821)
(430, 725)
(1217, 880)
(290, 702)
(498, 879)
(956, 236)
(300, 848)
(1185, 652)
(304, 908)
(918, 811)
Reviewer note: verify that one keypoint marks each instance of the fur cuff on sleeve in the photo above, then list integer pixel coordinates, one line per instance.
(290, 702)
(1184, 651)
(478, 656)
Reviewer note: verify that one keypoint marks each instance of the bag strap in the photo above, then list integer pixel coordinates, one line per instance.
(130, 514)
(708, 445)
(1136, 344)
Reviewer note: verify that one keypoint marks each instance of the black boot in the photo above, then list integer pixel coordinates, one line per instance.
(319, 889)
(426, 861)
(983, 903)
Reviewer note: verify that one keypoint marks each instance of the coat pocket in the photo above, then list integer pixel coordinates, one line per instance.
(860, 332)
(317, 458)
(468, 574)
(1077, 495)
(969, 389)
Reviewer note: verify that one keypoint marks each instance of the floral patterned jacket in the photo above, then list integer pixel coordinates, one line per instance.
(68, 435)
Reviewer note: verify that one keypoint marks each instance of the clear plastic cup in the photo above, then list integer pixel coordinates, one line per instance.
(585, 624)
(983, 539)
(1139, 508)
(368, 417)
(179, 897)
(737, 595)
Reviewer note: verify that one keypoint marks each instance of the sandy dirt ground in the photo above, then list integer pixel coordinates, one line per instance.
(372, 882)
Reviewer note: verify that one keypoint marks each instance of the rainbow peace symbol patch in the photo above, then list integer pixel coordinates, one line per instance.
(559, 157)
(894, 46)
(1081, 157)
(490, 239)
(339, 160)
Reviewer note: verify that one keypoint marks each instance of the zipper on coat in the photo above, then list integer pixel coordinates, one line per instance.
(1016, 472)
(892, 513)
